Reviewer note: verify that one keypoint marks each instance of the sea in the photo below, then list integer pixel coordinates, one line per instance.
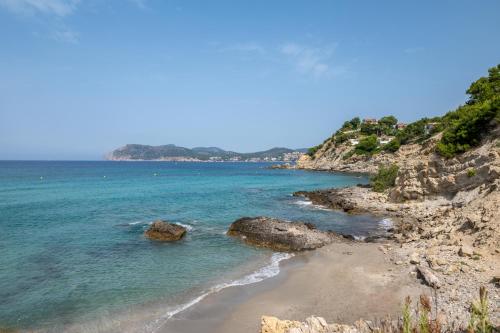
(73, 252)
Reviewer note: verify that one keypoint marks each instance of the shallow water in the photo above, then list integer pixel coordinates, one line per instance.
(71, 233)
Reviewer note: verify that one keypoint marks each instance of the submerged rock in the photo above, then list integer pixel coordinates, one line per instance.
(280, 235)
(164, 231)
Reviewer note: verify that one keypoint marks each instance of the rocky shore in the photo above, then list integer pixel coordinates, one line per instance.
(446, 215)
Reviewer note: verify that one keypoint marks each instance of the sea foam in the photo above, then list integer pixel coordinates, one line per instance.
(268, 271)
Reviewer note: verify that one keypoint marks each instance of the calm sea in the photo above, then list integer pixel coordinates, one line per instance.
(72, 248)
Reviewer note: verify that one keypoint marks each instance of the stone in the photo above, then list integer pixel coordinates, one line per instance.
(429, 277)
(414, 258)
(280, 235)
(165, 231)
(465, 251)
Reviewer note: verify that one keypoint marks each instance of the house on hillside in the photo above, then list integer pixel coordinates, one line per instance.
(429, 127)
(371, 121)
(384, 140)
(353, 142)
(400, 126)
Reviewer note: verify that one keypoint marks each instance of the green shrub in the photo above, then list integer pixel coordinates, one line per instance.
(385, 178)
(367, 145)
(313, 150)
(392, 146)
(466, 126)
(471, 172)
(479, 321)
(348, 154)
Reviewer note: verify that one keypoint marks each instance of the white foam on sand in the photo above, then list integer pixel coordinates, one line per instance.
(268, 271)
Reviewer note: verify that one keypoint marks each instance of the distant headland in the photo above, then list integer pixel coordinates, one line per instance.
(170, 152)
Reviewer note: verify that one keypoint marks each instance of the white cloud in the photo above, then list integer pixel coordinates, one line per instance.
(313, 61)
(53, 7)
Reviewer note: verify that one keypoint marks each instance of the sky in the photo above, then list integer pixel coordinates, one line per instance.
(79, 78)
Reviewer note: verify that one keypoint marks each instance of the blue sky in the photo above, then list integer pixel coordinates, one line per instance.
(81, 77)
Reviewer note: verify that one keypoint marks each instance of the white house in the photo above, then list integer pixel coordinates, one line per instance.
(353, 142)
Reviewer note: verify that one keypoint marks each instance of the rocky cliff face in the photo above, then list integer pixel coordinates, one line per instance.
(426, 174)
(335, 158)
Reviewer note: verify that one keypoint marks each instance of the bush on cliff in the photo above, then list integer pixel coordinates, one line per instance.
(367, 145)
(313, 150)
(385, 178)
(392, 146)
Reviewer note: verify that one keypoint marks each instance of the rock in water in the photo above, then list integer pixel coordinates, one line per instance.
(280, 235)
(164, 231)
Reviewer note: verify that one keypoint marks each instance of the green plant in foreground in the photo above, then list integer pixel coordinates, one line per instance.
(407, 316)
(479, 320)
(425, 309)
(471, 173)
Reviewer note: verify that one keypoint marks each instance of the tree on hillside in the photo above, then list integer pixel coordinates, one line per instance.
(486, 88)
(465, 127)
(388, 121)
(355, 122)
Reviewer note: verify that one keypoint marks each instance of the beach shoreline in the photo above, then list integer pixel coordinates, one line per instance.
(341, 282)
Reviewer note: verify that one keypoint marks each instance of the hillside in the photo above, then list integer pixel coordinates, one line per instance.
(362, 146)
(136, 152)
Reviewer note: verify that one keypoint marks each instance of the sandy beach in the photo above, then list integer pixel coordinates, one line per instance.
(341, 282)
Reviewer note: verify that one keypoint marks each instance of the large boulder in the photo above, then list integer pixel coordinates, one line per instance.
(280, 235)
(164, 231)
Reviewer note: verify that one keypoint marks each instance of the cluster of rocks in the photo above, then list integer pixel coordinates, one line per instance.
(319, 325)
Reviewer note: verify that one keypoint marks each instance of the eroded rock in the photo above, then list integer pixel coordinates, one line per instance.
(165, 231)
(280, 235)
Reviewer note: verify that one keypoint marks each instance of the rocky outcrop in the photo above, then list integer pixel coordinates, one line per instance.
(314, 325)
(164, 231)
(280, 235)
(333, 158)
(428, 175)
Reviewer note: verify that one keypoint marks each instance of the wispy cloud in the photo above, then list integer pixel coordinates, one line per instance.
(314, 61)
(142, 4)
(65, 35)
(50, 7)
(412, 50)
(247, 47)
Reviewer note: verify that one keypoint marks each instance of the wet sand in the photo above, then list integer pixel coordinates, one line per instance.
(340, 282)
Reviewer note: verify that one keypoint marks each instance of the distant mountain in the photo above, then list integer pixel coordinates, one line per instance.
(136, 152)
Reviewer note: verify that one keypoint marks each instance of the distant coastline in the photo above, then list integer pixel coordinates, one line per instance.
(173, 153)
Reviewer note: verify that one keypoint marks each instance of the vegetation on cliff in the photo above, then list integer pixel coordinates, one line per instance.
(385, 178)
(462, 129)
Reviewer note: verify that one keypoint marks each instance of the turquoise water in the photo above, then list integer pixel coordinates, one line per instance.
(71, 233)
